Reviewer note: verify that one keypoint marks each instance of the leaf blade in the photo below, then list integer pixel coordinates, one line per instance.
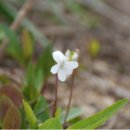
(12, 119)
(99, 118)
(30, 115)
(41, 109)
(52, 123)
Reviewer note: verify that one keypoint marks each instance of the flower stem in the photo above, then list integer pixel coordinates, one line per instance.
(70, 98)
(56, 96)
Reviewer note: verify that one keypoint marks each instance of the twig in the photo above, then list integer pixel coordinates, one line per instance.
(20, 16)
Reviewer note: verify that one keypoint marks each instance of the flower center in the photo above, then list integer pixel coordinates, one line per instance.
(62, 65)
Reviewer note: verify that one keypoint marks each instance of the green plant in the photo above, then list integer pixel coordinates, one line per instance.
(24, 106)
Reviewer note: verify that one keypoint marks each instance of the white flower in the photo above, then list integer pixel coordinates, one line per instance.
(64, 67)
(72, 55)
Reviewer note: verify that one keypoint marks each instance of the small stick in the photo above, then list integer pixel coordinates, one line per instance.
(56, 96)
(21, 14)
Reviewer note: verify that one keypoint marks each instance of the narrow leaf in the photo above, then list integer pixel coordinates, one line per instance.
(46, 61)
(14, 48)
(30, 115)
(27, 44)
(30, 91)
(73, 113)
(41, 109)
(11, 12)
(99, 118)
(58, 113)
(52, 123)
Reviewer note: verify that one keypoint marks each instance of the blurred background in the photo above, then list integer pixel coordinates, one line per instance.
(100, 29)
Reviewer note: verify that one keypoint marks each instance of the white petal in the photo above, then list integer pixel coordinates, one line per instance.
(75, 57)
(67, 54)
(71, 65)
(62, 76)
(58, 56)
(54, 69)
(69, 71)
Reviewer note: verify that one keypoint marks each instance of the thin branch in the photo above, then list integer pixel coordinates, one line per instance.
(22, 14)
(16, 23)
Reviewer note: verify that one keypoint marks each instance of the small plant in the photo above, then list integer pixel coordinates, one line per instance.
(25, 107)
(65, 68)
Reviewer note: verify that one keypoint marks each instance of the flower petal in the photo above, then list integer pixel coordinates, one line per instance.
(71, 65)
(75, 57)
(62, 76)
(54, 69)
(58, 56)
(67, 54)
(69, 71)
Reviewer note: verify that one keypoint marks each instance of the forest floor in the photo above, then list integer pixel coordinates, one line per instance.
(100, 81)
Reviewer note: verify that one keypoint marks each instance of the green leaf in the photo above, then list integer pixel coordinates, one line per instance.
(73, 113)
(39, 79)
(30, 90)
(14, 48)
(30, 115)
(58, 113)
(94, 48)
(5, 104)
(52, 123)
(99, 118)
(46, 61)
(41, 109)
(11, 12)
(27, 44)
(2, 35)
(24, 124)
(13, 93)
(12, 119)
